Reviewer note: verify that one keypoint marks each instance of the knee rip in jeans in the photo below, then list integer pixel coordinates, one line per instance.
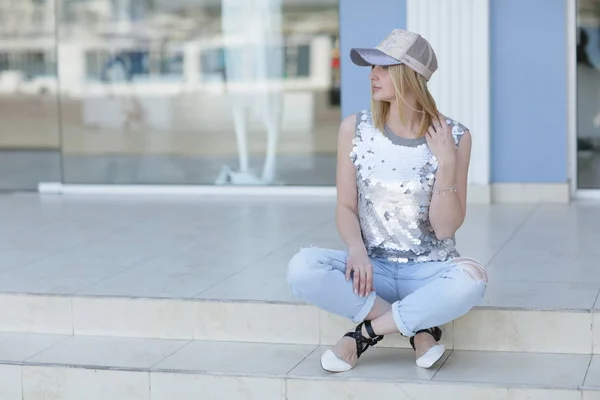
(472, 268)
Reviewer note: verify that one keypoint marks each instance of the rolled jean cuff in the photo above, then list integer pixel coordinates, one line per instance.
(398, 321)
(366, 309)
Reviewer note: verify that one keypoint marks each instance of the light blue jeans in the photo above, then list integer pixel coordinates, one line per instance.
(422, 295)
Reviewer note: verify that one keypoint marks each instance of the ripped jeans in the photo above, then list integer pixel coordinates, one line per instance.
(422, 295)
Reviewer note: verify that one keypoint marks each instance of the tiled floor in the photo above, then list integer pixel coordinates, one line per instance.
(539, 256)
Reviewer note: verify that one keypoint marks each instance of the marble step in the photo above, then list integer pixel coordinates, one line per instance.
(62, 367)
(484, 329)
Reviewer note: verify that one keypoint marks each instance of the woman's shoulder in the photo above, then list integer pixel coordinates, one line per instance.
(458, 129)
(348, 124)
(455, 123)
(357, 117)
(351, 123)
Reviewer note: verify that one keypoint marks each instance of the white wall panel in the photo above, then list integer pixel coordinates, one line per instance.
(458, 30)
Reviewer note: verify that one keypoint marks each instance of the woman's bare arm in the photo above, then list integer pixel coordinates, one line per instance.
(447, 210)
(347, 198)
(358, 264)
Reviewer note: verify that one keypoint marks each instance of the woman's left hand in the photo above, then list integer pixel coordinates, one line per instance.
(441, 142)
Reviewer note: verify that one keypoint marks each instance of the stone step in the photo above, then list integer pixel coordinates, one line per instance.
(62, 367)
(485, 329)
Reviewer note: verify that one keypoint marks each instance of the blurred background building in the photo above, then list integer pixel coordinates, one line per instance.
(209, 93)
(139, 91)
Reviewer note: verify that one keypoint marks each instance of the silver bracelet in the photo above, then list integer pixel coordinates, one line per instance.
(451, 189)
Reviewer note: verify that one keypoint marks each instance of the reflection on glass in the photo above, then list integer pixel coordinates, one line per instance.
(218, 92)
(588, 95)
(29, 139)
(253, 52)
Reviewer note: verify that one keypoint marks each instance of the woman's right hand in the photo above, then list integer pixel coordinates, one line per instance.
(359, 267)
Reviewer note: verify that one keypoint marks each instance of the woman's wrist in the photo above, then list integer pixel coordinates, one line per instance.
(448, 163)
(445, 190)
(445, 176)
(357, 247)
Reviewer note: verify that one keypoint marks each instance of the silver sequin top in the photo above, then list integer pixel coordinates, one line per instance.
(395, 178)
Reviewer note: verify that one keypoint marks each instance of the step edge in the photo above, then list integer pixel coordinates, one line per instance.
(72, 297)
(290, 376)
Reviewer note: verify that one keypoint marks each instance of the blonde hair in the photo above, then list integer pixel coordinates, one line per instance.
(406, 80)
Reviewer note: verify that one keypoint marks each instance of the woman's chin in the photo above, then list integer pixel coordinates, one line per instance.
(378, 96)
(381, 98)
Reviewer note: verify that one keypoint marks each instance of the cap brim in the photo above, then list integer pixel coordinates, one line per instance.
(369, 57)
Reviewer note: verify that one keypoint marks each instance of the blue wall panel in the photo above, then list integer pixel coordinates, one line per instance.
(529, 91)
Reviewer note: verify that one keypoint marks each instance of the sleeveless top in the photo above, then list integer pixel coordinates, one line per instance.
(395, 178)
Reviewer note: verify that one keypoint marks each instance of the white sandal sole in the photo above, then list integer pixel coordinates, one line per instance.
(329, 362)
(432, 356)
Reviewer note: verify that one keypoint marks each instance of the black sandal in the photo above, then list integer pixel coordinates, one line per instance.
(331, 363)
(363, 343)
(435, 332)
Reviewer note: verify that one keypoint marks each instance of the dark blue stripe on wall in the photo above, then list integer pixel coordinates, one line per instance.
(364, 24)
(529, 91)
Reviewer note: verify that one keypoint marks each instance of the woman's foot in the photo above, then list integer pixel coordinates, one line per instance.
(342, 357)
(349, 348)
(426, 346)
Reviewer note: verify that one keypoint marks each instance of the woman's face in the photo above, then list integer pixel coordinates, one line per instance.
(381, 84)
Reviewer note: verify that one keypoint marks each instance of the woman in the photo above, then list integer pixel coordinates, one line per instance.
(401, 185)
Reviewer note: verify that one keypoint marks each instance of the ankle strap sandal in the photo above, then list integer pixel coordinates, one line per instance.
(434, 353)
(363, 343)
(436, 332)
(331, 363)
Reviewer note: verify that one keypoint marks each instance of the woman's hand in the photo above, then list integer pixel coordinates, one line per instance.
(441, 142)
(358, 265)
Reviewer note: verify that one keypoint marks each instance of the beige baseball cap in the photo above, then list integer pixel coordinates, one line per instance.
(399, 47)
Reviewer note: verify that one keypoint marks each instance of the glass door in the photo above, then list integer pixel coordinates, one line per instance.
(588, 94)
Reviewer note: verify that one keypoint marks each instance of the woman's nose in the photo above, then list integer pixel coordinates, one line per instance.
(374, 71)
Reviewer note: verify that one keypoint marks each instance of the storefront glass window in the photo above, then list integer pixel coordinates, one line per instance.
(30, 137)
(198, 92)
